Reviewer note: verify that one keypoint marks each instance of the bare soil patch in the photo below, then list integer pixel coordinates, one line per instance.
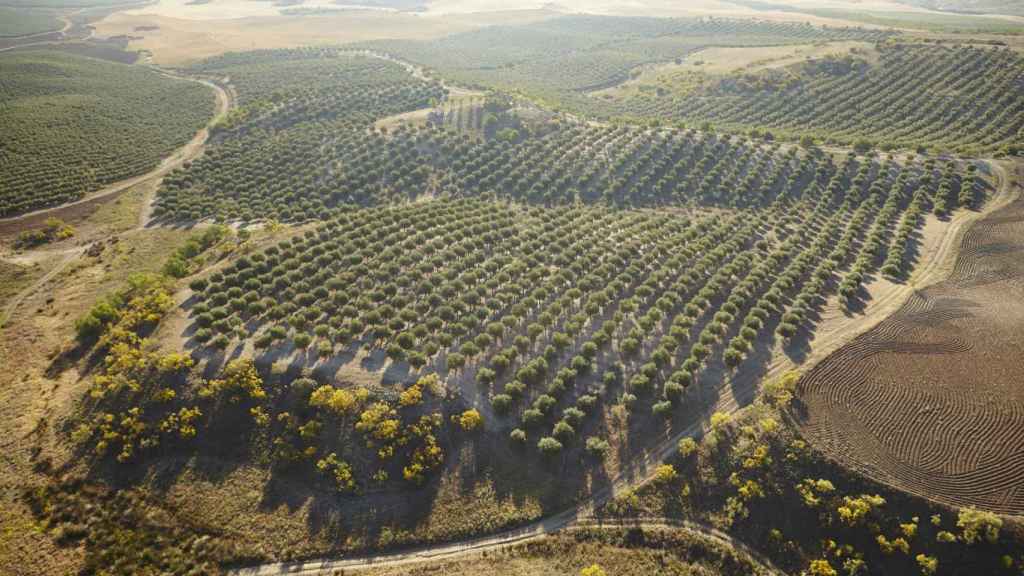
(929, 400)
(180, 41)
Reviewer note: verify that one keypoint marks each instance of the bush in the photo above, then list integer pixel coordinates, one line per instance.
(687, 446)
(662, 409)
(978, 524)
(302, 340)
(564, 431)
(640, 383)
(732, 357)
(456, 361)
(469, 420)
(89, 328)
(502, 403)
(665, 474)
(573, 415)
(548, 446)
(544, 403)
(532, 417)
(597, 447)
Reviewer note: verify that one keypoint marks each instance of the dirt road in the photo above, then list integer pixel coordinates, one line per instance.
(520, 536)
(69, 256)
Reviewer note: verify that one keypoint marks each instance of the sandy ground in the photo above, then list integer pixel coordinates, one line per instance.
(726, 60)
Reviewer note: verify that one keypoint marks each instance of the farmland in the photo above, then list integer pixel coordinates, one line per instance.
(309, 120)
(947, 340)
(571, 294)
(66, 135)
(895, 104)
(556, 58)
(20, 22)
(893, 108)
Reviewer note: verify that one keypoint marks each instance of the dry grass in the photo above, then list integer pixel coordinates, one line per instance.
(14, 278)
(568, 554)
(178, 42)
(26, 550)
(34, 403)
(280, 517)
(729, 60)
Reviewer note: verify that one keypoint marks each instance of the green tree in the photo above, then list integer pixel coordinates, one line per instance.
(548, 446)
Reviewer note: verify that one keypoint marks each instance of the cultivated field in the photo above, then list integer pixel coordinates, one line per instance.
(416, 303)
(928, 400)
(22, 22)
(884, 95)
(67, 134)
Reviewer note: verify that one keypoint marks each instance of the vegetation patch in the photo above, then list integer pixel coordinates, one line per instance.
(757, 479)
(23, 21)
(53, 230)
(601, 552)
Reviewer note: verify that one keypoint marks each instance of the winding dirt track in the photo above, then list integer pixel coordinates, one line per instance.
(478, 546)
(11, 306)
(930, 401)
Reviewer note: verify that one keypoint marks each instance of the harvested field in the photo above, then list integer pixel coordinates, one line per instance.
(929, 400)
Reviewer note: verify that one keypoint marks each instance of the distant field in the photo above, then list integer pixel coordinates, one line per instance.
(66, 3)
(968, 21)
(558, 57)
(20, 21)
(177, 40)
(851, 84)
(972, 6)
(73, 124)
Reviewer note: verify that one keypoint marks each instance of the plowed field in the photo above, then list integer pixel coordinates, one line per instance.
(932, 399)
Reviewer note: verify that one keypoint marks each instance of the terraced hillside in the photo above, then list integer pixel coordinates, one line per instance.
(928, 400)
(73, 124)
